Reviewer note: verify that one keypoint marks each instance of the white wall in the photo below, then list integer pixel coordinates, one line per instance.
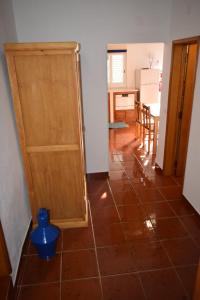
(191, 183)
(164, 103)
(138, 57)
(185, 18)
(14, 208)
(185, 23)
(94, 24)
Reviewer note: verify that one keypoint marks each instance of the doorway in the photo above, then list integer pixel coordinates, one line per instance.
(181, 90)
(134, 72)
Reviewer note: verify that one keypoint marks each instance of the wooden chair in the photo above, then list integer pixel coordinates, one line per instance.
(138, 119)
(148, 125)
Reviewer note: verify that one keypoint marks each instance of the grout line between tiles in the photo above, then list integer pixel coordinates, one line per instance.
(21, 279)
(185, 227)
(169, 217)
(159, 189)
(114, 200)
(40, 283)
(113, 245)
(18, 293)
(80, 279)
(35, 254)
(141, 271)
(78, 249)
(8, 290)
(178, 183)
(96, 247)
(174, 268)
(174, 180)
(130, 242)
(142, 286)
(177, 200)
(105, 276)
(95, 250)
(139, 161)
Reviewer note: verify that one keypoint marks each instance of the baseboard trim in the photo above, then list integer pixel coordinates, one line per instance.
(99, 175)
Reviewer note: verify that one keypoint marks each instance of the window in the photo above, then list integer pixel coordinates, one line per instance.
(116, 68)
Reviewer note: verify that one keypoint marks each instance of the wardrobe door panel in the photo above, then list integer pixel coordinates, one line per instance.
(56, 183)
(48, 98)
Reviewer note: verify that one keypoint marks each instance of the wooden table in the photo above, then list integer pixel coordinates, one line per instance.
(155, 114)
(121, 92)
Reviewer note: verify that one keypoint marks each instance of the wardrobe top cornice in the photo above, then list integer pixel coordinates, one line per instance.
(42, 46)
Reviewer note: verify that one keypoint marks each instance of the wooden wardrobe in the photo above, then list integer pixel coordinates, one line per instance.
(45, 83)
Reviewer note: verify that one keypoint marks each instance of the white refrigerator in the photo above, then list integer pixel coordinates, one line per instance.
(147, 82)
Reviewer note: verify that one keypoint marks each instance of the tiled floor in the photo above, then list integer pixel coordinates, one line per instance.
(6, 288)
(142, 241)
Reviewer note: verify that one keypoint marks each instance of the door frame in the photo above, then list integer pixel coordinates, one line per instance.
(172, 111)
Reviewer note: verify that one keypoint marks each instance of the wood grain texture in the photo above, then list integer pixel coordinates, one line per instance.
(46, 90)
(48, 122)
(180, 101)
(175, 89)
(187, 109)
(52, 148)
(42, 46)
(57, 184)
(19, 121)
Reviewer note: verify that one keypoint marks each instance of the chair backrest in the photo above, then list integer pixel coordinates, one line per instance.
(138, 111)
(146, 116)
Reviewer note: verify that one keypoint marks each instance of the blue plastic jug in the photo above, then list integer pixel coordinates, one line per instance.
(44, 237)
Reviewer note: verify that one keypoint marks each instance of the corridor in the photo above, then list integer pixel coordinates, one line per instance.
(143, 239)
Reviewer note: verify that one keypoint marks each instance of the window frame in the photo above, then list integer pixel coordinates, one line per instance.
(111, 53)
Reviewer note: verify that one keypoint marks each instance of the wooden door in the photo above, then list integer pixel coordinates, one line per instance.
(182, 82)
(5, 267)
(185, 109)
(46, 92)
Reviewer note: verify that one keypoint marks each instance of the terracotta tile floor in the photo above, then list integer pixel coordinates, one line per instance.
(6, 288)
(142, 241)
